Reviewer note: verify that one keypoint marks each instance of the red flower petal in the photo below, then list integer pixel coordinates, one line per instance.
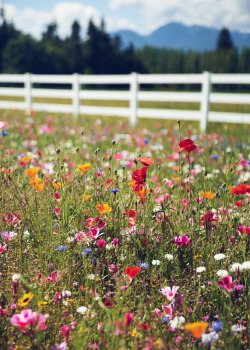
(146, 161)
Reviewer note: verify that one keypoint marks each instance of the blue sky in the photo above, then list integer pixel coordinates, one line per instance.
(142, 16)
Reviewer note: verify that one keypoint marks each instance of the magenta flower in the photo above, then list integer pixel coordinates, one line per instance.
(118, 156)
(112, 268)
(128, 319)
(101, 243)
(243, 229)
(181, 240)
(227, 283)
(168, 292)
(28, 320)
(2, 248)
(115, 241)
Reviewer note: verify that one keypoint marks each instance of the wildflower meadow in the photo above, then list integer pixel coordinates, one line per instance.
(115, 237)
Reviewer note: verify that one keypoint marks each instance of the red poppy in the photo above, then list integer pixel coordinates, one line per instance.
(187, 145)
(241, 189)
(131, 213)
(144, 326)
(139, 177)
(239, 204)
(132, 271)
(146, 161)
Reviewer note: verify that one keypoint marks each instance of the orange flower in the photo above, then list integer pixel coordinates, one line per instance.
(87, 196)
(142, 194)
(196, 328)
(176, 168)
(26, 159)
(6, 171)
(131, 184)
(207, 195)
(175, 179)
(32, 173)
(84, 167)
(103, 208)
(36, 184)
(57, 185)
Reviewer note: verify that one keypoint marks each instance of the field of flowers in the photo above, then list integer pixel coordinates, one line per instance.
(121, 238)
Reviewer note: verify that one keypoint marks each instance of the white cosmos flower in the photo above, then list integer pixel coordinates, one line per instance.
(82, 309)
(169, 257)
(222, 273)
(200, 269)
(219, 256)
(156, 262)
(246, 265)
(177, 322)
(235, 267)
(91, 276)
(16, 277)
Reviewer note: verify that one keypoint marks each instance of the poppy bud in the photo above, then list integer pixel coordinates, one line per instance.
(61, 167)
(58, 150)
(205, 173)
(113, 142)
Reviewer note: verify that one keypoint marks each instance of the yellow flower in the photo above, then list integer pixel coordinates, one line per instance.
(87, 196)
(84, 167)
(134, 333)
(42, 303)
(103, 208)
(196, 328)
(57, 185)
(25, 299)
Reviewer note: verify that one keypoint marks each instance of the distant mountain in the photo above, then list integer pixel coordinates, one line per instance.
(178, 36)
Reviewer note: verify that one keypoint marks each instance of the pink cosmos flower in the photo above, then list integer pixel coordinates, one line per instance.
(115, 241)
(227, 283)
(2, 248)
(101, 243)
(28, 320)
(57, 211)
(243, 229)
(8, 236)
(112, 268)
(65, 332)
(3, 125)
(118, 156)
(57, 196)
(181, 240)
(169, 294)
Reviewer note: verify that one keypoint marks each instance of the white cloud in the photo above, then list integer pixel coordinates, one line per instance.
(64, 13)
(234, 14)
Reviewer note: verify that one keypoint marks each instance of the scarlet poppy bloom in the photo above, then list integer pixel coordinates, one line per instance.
(146, 161)
(187, 145)
(132, 271)
(241, 189)
(139, 177)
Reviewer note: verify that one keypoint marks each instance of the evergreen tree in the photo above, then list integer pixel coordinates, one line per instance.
(224, 41)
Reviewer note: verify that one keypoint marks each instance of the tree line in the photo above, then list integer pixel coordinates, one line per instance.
(100, 53)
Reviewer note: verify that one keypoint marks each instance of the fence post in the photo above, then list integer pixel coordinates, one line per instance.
(27, 93)
(76, 94)
(133, 99)
(205, 101)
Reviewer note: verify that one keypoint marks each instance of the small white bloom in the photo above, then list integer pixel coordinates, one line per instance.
(200, 269)
(169, 257)
(177, 322)
(222, 273)
(26, 233)
(246, 265)
(237, 328)
(156, 262)
(16, 277)
(91, 276)
(75, 283)
(109, 246)
(219, 256)
(82, 309)
(235, 267)
(70, 239)
(209, 337)
(66, 293)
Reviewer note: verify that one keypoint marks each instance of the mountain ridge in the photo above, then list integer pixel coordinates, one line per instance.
(175, 35)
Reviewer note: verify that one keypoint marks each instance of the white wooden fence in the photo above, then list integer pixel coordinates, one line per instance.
(134, 95)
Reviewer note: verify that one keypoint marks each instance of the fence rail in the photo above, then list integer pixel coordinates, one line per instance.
(133, 95)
